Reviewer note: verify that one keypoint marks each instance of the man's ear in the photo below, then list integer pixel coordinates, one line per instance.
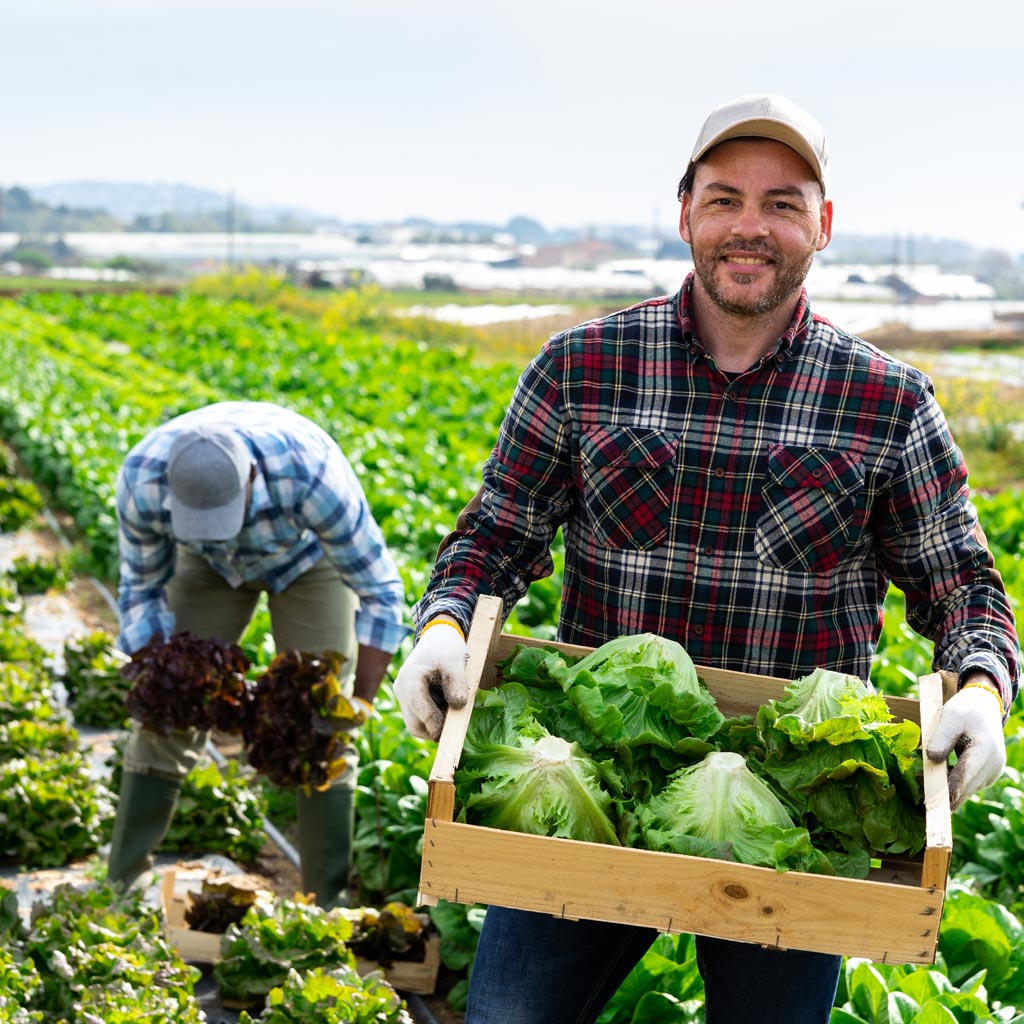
(825, 236)
(684, 217)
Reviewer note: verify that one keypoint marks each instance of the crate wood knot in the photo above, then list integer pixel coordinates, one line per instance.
(735, 891)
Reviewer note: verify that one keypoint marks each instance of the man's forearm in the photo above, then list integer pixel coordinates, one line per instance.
(371, 666)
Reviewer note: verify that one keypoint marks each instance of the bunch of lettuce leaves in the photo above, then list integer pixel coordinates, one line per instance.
(627, 716)
(393, 932)
(516, 775)
(335, 995)
(275, 937)
(298, 723)
(187, 682)
(719, 808)
(833, 750)
(636, 699)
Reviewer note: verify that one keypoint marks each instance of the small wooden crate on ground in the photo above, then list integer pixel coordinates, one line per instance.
(419, 978)
(892, 916)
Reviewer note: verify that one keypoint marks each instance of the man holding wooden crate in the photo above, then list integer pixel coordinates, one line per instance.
(733, 472)
(215, 508)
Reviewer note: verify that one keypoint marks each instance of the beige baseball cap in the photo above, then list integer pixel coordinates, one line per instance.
(766, 116)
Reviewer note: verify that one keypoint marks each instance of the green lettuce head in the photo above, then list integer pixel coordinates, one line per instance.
(719, 808)
(515, 775)
(833, 748)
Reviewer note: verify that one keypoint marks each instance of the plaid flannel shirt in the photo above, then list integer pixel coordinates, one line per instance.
(755, 518)
(306, 504)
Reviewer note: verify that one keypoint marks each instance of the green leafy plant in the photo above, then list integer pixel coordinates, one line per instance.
(981, 939)
(835, 752)
(38, 575)
(988, 841)
(51, 810)
(874, 993)
(102, 956)
(219, 809)
(97, 691)
(11, 603)
(515, 775)
(335, 996)
(37, 738)
(20, 986)
(458, 925)
(275, 938)
(665, 987)
(391, 803)
(719, 808)
(636, 699)
(20, 503)
(25, 694)
(17, 648)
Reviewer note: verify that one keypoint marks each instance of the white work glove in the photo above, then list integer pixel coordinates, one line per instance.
(432, 679)
(970, 723)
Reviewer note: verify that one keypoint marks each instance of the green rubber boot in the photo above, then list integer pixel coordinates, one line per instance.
(145, 808)
(326, 822)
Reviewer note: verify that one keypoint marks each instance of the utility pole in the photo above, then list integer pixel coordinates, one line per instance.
(230, 225)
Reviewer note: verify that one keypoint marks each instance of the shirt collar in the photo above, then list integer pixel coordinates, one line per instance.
(791, 337)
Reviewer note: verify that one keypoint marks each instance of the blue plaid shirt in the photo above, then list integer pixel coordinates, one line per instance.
(306, 504)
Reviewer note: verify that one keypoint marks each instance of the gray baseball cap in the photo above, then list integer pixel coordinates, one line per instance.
(766, 116)
(208, 473)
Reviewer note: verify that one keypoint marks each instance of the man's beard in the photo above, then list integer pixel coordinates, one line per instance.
(789, 277)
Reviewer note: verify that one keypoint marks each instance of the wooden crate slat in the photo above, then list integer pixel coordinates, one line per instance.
(672, 893)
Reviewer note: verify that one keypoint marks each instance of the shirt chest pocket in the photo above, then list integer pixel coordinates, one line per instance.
(628, 479)
(813, 508)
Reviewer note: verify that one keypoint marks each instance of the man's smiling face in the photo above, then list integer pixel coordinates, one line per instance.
(754, 220)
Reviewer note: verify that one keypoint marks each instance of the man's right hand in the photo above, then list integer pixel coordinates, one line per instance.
(432, 679)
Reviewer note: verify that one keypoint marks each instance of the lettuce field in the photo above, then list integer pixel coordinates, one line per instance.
(416, 410)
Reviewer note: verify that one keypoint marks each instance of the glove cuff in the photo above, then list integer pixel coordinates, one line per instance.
(443, 622)
(990, 688)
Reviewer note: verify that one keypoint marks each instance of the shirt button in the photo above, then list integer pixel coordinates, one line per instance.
(698, 630)
(719, 472)
(816, 473)
(709, 550)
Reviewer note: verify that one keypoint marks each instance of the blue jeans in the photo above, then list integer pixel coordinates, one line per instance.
(537, 969)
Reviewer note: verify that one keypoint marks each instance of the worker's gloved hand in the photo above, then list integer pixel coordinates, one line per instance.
(971, 724)
(432, 679)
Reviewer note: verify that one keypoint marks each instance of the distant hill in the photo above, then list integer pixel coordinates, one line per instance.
(174, 207)
(23, 213)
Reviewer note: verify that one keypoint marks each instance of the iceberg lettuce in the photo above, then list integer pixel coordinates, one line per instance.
(719, 808)
(515, 775)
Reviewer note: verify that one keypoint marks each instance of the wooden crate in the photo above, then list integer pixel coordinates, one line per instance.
(198, 947)
(204, 947)
(891, 917)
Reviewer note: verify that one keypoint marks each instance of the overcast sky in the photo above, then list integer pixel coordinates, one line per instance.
(571, 112)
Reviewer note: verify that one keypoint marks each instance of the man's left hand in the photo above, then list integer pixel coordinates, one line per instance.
(970, 723)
